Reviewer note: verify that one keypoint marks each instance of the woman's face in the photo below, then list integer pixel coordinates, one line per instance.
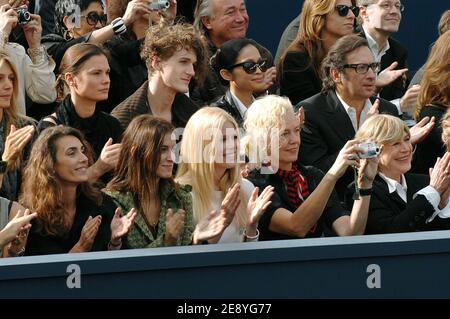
(248, 82)
(71, 161)
(227, 147)
(165, 166)
(7, 79)
(337, 25)
(91, 19)
(92, 82)
(289, 140)
(395, 159)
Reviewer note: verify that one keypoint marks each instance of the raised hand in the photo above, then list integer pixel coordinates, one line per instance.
(110, 154)
(16, 231)
(8, 19)
(257, 205)
(212, 225)
(421, 130)
(88, 234)
(16, 141)
(374, 110)
(389, 75)
(270, 77)
(136, 9)
(367, 171)
(33, 31)
(121, 225)
(231, 202)
(174, 226)
(348, 156)
(440, 174)
(408, 101)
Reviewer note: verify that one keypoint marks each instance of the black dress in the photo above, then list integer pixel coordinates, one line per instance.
(39, 244)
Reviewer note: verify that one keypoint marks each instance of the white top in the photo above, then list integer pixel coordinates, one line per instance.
(351, 112)
(231, 234)
(36, 78)
(395, 186)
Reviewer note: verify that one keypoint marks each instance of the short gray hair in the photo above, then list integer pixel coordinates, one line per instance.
(202, 9)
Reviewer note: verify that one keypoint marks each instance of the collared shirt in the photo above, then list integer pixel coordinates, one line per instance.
(351, 111)
(395, 186)
(377, 52)
(377, 55)
(240, 106)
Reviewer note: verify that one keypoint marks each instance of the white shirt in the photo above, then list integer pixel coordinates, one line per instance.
(351, 112)
(377, 52)
(395, 186)
(377, 55)
(240, 106)
(232, 233)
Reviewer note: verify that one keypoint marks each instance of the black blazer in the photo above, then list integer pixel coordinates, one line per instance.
(388, 213)
(327, 129)
(396, 53)
(227, 104)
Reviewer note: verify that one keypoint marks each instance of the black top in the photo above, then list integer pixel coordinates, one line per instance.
(388, 213)
(332, 211)
(432, 146)
(226, 103)
(298, 79)
(39, 244)
(97, 129)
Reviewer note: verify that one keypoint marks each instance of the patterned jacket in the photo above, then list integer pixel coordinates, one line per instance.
(140, 236)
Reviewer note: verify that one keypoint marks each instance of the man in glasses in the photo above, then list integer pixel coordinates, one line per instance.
(381, 18)
(220, 21)
(349, 73)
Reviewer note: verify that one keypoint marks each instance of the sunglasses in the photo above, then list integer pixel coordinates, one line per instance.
(92, 18)
(250, 66)
(342, 10)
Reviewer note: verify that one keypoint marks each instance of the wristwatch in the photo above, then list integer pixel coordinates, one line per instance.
(3, 167)
(365, 191)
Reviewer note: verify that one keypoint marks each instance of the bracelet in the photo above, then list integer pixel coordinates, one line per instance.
(365, 191)
(251, 238)
(113, 246)
(118, 26)
(37, 55)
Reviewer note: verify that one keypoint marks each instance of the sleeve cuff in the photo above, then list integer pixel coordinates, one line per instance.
(432, 197)
(396, 102)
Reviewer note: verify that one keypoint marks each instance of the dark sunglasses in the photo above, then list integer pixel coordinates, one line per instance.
(250, 66)
(342, 10)
(92, 18)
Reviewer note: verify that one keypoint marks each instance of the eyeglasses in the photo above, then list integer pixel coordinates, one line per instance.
(386, 6)
(250, 66)
(92, 18)
(343, 9)
(362, 68)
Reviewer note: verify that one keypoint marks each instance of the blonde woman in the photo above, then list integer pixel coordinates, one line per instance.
(15, 130)
(209, 163)
(402, 201)
(304, 202)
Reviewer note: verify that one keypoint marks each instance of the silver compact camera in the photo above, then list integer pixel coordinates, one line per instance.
(23, 16)
(160, 5)
(369, 150)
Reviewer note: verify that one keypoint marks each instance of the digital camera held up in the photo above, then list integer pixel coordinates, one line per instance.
(160, 5)
(368, 150)
(23, 16)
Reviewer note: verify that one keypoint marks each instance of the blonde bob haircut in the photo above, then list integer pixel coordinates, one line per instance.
(382, 129)
(197, 161)
(263, 125)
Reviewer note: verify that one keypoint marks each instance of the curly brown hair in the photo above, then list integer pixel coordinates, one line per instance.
(162, 40)
(41, 189)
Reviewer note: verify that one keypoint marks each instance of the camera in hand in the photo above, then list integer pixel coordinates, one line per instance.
(23, 16)
(368, 150)
(160, 5)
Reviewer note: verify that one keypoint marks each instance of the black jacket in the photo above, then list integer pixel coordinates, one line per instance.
(226, 102)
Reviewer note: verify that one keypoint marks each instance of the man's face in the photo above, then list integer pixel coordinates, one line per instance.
(356, 86)
(383, 15)
(229, 21)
